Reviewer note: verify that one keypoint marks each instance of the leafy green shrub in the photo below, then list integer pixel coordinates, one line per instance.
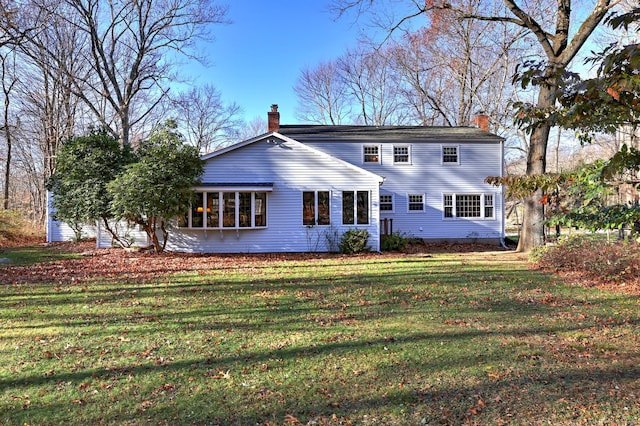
(354, 241)
(593, 259)
(394, 242)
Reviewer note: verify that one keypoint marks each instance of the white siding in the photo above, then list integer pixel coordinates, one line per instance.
(425, 174)
(58, 231)
(292, 168)
(132, 233)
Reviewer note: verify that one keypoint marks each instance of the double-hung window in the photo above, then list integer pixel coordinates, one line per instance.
(471, 206)
(401, 154)
(226, 209)
(415, 203)
(355, 207)
(316, 208)
(386, 202)
(450, 154)
(371, 154)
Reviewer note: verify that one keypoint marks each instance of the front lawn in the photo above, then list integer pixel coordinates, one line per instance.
(429, 338)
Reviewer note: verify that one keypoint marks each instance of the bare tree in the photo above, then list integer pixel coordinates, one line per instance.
(9, 80)
(373, 86)
(48, 101)
(208, 123)
(257, 126)
(322, 95)
(131, 48)
(131, 44)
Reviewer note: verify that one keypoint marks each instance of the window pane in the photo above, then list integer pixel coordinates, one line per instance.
(488, 206)
(400, 154)
(308, 208)
(449, 154)
(468, 205)
(244, 199)
(371, 154)
(416, 202)
(448, 205)
(347, 208)
(363, 207)
(183, 220)
(386, 202)
(261, 209)
(197, 211)
(213, 210)
(324, 215)
(229, 209)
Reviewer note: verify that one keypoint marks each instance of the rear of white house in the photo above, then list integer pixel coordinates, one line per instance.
(434, 177)
(299, 188)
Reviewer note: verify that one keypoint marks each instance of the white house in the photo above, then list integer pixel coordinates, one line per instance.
(298, 188)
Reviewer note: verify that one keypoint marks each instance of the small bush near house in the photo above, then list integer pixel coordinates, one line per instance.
(594, 260)
(15, 229)
(354, 241)
(394, 242)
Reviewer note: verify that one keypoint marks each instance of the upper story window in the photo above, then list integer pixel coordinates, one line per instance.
(416, 202)
(450, 154)
(386, 202)
(371, 154)
(355, 207)
(474, 206)
(401, 154)
(315, 208)
(236, 209)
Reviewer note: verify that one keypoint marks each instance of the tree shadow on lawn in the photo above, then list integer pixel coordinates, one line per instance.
(406, 389)
(417, 378)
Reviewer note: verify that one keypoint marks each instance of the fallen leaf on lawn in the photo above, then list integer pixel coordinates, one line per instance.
(291, 420)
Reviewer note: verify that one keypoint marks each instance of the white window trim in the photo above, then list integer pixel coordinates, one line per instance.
(379, 153)
(205, 194)
(393, 203)
(449, 163)
(424, 203)
(482, 206)
(400, 163)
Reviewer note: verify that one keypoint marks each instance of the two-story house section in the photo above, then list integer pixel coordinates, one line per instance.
(434, 177)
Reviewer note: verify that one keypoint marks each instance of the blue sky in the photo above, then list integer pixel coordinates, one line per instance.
(256, 60)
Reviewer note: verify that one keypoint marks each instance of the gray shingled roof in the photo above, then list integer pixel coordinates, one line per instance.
(387, 133)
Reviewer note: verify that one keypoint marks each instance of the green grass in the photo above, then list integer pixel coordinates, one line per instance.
(30, 255)
(406, 340)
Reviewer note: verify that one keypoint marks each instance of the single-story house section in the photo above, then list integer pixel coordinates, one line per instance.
(274, 194)
(299, 188)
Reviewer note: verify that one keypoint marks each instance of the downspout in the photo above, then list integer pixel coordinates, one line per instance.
(49, 219)
(504, 219)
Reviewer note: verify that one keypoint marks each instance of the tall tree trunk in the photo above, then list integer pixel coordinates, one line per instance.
(532, 234)
(7, 86)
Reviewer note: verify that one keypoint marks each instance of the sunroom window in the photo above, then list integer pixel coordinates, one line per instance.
(226, 209)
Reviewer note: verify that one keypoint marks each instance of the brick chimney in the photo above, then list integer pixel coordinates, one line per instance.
(481, 120)
(273, 119)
